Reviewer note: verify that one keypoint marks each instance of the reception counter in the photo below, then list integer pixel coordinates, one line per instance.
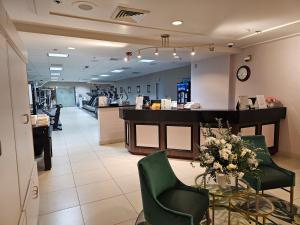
(179, 131)
(111, 126)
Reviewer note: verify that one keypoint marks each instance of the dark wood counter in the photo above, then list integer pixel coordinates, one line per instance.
(189, 121)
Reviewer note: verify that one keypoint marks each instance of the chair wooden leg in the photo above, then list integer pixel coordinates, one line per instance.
(207, 217)
(291, 199)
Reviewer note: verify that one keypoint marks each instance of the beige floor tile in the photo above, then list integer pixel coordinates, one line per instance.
(89, 156)
(122, 170)
(297, 202)
(58, 170)
(91, 176)
(60, 160)
(55, 183)
(128, 222)
(129, 183)
(86, 166)
(58, 200)
(135, 199)
(108, 212)
(98, 191)
(57, 151)
(71, 216)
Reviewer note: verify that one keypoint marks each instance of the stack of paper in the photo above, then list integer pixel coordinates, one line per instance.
(166, 104)
(42, 120)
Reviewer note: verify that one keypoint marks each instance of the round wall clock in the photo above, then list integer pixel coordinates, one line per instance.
(243, 73)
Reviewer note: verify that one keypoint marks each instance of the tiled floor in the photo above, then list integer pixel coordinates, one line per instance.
(98, 185)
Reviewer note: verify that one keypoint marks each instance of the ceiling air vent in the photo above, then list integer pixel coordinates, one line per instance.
(129, 14)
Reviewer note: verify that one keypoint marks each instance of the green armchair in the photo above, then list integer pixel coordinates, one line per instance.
(166, 200)
(272, 176)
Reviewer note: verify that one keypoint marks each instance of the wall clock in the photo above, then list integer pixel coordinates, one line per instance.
(243, 73)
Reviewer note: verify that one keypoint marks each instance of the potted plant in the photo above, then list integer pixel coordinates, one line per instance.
(225, 155)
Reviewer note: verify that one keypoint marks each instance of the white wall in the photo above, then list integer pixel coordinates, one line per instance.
(167, 81)
(210, 82)
(275, 71)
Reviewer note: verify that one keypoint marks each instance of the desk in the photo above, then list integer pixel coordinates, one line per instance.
(179, 131)
(43, 143)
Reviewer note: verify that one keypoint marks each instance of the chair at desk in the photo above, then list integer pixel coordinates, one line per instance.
(43, 144)
(55, 118)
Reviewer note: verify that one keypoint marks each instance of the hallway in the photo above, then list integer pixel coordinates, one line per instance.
(91, 184)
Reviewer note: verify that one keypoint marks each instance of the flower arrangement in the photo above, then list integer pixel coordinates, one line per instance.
(272, 101)
(225, 153)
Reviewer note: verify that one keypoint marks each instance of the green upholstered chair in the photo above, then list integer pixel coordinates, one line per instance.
(166, 200)
(271, 176)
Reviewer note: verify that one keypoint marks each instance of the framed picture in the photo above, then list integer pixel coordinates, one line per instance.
(148, 88)
(121, 90)
(129, 90)
(138, 89)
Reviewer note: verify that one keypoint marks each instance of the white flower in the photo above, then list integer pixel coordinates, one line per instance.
(203, 148)
(245, 151)
(223, 141)
(234, 157)
(224, 154)
(210, 160)
(240, 175)
(228, 146)
(217, 142)
(231, 166)
(209, 141)
(217, 166)
(235, 138)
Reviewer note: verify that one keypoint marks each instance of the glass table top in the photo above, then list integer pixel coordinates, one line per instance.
(236, 188)
(254, 205)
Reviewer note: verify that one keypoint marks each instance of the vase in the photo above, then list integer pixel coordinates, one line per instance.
(224, 180)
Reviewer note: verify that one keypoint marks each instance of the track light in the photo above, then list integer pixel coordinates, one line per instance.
(156, 52)
(174, 52)
(127, 57)
(139, 54)
(193, 52)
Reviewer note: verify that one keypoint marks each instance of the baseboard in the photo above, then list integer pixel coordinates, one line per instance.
(106, 142)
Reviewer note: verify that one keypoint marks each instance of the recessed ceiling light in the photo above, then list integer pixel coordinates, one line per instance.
(71, 48)
(147, 60)
(117, 71)
(55, 74)
(54, 78)
(58, 55)
(111, 44)
(85, 6)
(104, 75)
(53, 68)
(177, 22)
(94, 78)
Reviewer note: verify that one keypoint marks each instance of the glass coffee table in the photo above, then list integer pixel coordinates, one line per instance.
(253, 207)
(235, 196)
(222, 196)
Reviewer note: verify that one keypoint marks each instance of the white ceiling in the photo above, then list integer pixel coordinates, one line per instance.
(204, 21)
(91, 53)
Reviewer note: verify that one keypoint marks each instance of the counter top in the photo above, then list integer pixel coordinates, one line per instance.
(204, 115)
(115, 106)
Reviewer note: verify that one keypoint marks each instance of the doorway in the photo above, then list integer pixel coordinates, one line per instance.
(65, 96)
